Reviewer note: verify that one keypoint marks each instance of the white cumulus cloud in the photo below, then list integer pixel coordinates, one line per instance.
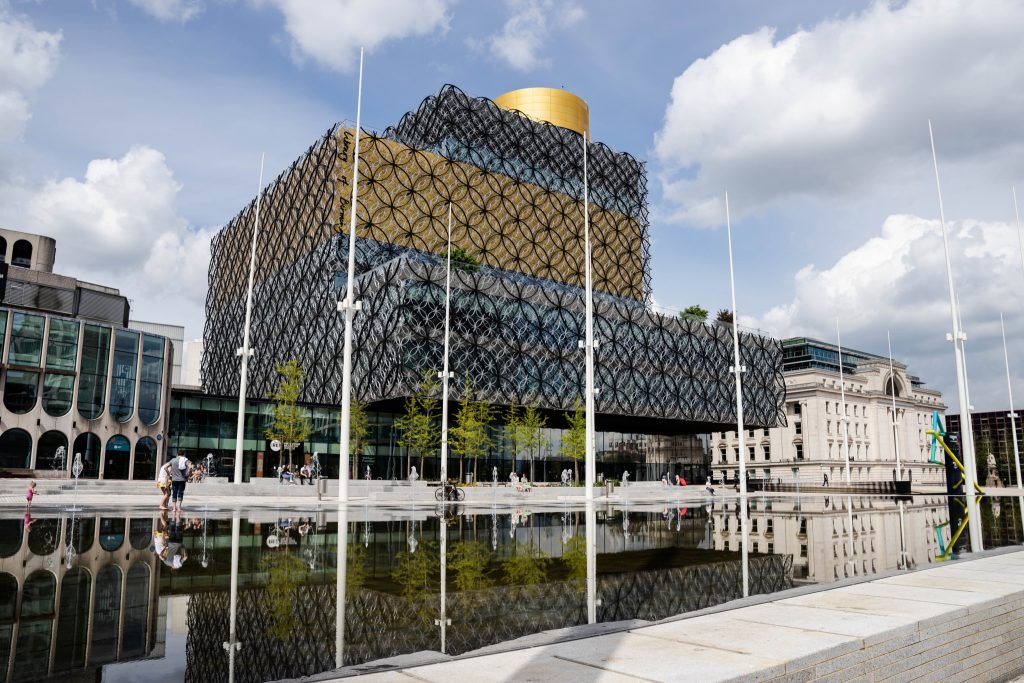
(28, 58)
(520, 43)
(840, 108)
(896, 280)
(118, 225)
(332, 31)
(170, 10)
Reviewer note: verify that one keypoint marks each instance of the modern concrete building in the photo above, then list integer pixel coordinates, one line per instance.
(77, 593)
(75, 379)
(175, 334)
(810, 448)
(514, 183)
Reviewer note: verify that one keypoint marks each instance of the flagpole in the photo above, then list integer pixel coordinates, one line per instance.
(246, 351)
(1013, 415)
(895, 422)
(590, 465)
(957, 337)
(842, 397)
(445, 374)
(350, 306)
(736, 368)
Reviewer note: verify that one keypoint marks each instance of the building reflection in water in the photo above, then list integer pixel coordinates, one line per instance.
(842, 536)
(76, 592)
(261, 591)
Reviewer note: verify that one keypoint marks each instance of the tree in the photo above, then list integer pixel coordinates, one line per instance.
(724, 315)
(530, 433)
(574, 441)
(358, 430)
(469, 561)
(463, 260)
(420, 431)
(291, 425)
(469, 438)
(694, 312)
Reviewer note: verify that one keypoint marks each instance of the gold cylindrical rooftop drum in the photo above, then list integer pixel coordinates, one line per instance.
(549, 105)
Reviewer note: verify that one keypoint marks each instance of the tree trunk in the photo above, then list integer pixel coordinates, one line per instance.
(461, 460)
(576, 466)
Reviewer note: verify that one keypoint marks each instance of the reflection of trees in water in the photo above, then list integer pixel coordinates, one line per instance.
(528, 567)
(469, 561)
(285, 571)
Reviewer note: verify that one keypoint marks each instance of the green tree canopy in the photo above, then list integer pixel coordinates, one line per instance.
(291, 424)
(420, 431)
(724, 315)
(530, 433)
(694, 312)
(574, 440)
(470, 438)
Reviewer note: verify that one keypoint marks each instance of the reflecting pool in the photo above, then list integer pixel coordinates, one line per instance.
(236, 595)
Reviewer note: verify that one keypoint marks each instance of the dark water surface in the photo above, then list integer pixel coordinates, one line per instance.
(87, 596)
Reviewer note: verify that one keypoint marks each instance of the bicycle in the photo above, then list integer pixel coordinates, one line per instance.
(449, 492)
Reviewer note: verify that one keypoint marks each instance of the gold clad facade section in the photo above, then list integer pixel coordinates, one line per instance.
(501, 221)
(549, 105)
(403, 199)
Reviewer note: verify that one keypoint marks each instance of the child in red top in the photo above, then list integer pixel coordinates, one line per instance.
(30, 494)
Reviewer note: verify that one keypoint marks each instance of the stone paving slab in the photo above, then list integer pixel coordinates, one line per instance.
(955, 622)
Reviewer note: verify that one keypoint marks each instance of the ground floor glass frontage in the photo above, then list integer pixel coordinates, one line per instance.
(203, 425)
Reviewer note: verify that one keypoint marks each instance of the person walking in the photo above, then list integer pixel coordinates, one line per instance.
(163, 482)
(181, 468)
(30, 494)
(825, 482)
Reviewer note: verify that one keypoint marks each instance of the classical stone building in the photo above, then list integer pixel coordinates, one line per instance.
(810, 446)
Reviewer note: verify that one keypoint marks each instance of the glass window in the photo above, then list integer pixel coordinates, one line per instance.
(136, 618)
(92, 382)
(88, 446)
(106, 615)
(73, 621)
(58, 391)
(26, 346)
(15, 448)
(151, 379)
(3, 329)
(37, 597)
(145, 459)
(62, 345)
(21, 391)
(126, 366)
(51, 452)
(118, 457)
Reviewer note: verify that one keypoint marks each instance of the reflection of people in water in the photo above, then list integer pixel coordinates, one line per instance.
(28, 518)
(168, 541)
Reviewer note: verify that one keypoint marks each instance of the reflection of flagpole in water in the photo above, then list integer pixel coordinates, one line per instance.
(745, 544)
(591, 539)
(340, 574)
(233, 646)
(444, 622)
(849, 519)
(903, 564)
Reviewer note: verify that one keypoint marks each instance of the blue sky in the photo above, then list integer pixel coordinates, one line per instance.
(134, 128)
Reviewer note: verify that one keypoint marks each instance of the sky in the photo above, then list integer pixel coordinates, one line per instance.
(131, 131)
